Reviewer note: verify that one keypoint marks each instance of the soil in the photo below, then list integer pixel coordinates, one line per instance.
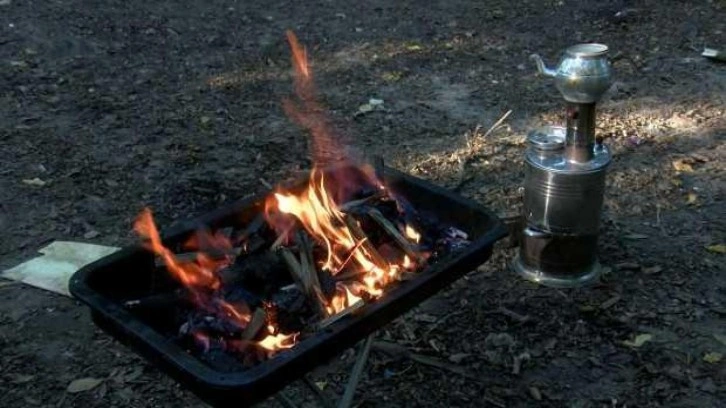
(116, 105)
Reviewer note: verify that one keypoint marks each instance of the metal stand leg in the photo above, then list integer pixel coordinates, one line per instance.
(350, 387)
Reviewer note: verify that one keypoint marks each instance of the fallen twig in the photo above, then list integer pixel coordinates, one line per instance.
(397, 350)
(358, 367)
(496, 124)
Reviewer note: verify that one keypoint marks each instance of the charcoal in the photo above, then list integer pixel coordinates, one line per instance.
(252, 228)
(290, 309)
(238, 294)
(206, 323)
(391, 253)
(364, 192)
(260, 273)
(255, 244)
(327, 283)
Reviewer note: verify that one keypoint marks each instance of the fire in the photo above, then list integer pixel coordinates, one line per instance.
(342, 300)
(345, 247)
(317, 208)
(200, 278)
(412, 234)
(277, 342)
(321, 217)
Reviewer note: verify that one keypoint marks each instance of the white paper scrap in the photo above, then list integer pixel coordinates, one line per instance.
(60, 260)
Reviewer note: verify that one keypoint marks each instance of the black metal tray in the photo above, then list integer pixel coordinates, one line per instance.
(130, 274)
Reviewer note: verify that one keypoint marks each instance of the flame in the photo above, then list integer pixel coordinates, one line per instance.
(342, 299)
(407, 263)
(321, 217)
(201, 279)
(412, 234)
(317, 208)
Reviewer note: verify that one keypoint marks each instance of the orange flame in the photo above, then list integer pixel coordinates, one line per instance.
(200, 278)
(317, 207)
(412, 234)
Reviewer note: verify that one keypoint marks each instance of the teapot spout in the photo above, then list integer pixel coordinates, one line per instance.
(541, 66)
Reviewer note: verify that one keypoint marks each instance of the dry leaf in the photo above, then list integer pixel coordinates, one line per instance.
(34, 182)
(712, 357)
(639, 340)
(692, 198)
(321, 384)
(653, 270)
(8, 283)
(718, 248)
(610, 302)
(458, 357)
(680, 165)
(365, 108)
(134, 374)
(83, 384)
(21, 378)
(535, 393)
(91, 234)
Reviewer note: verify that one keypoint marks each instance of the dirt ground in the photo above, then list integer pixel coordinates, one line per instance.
(114, 105)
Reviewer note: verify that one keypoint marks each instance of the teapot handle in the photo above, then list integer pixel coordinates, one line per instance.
(541, 66)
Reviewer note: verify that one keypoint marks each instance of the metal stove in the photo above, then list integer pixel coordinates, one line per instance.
(564, 181)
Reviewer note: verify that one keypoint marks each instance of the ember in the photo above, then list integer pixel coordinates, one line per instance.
(312, 257)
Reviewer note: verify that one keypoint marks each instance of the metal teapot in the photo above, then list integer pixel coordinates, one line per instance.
(583, 74)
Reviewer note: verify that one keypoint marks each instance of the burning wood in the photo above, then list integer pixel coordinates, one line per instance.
(312, 257)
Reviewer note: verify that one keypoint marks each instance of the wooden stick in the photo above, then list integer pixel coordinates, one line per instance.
(350, 275)
(278, 242)
(301, 276)
(359, 235)
(259, 317)
(355, 374)
(345, 207)
(307, 261)
(295, 268)
(345, 312)
(395, 234)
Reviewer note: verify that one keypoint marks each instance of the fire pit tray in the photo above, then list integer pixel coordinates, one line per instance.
(105, 285)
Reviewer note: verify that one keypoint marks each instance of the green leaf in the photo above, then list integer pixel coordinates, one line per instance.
(712, 357)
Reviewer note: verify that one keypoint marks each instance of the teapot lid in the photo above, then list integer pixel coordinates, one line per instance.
(588, 50)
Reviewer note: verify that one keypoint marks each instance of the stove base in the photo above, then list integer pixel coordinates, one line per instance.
(588, 276)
